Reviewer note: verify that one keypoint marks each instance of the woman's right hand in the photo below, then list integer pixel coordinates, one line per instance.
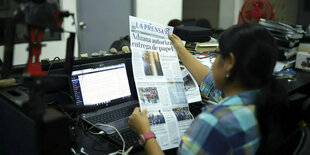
(177, 42)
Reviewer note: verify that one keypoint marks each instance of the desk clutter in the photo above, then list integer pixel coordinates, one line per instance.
(287, 37)
(303, 57)
(293, 46)
(121, 46)
(112, 51)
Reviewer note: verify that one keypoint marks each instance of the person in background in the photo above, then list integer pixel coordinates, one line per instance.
(254, 112)
(175, 23)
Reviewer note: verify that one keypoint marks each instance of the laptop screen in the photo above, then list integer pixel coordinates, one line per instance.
(100, 84)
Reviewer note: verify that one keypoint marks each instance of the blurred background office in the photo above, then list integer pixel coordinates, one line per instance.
(99, 23)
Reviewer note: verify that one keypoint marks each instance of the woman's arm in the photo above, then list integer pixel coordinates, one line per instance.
(197, 69)
(151, 147)
(139, 123)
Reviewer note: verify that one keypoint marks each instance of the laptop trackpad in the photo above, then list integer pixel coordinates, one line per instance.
(119, 125)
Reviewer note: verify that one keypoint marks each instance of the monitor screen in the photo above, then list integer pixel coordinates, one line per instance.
(100, 85)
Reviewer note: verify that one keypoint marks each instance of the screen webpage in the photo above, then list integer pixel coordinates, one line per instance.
(100, 85)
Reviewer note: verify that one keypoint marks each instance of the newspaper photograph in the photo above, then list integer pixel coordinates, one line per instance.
(153, 95)
(148, 95)
(159, 81)
(190, 86)
(184, 118)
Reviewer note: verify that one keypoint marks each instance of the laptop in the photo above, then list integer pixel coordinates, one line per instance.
(104, 86)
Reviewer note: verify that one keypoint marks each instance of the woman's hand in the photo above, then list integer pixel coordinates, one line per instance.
(139, 122)
(177, 42)
(197, 69)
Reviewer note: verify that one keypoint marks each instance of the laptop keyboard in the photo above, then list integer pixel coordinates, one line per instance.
(112, 116)
(130, 138)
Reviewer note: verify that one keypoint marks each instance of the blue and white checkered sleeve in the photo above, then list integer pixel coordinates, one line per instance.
(207, 87)
(202, 137)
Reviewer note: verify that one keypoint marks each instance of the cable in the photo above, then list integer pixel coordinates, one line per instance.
(123, 151)
(61, 106)
(52, 63)
(67, 94)
(63, 110)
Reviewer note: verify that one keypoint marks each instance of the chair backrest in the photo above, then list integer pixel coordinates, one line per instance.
(298, 143)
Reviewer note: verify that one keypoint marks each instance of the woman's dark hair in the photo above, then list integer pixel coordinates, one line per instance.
(255, 52)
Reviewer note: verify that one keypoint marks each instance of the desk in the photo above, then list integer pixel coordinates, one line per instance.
(95, 144)
(302, 80)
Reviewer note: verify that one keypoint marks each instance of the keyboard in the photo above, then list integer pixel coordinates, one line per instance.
(112, 116)
(130, 138)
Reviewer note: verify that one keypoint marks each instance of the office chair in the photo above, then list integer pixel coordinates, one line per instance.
(298, 143)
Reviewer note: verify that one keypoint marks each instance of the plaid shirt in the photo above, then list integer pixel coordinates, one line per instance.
(228, 128)
(208, 89)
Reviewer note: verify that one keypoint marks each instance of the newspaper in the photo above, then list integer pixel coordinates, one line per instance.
(159, 81)
(191, 87)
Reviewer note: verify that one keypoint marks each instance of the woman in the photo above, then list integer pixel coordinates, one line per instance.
(251, 116)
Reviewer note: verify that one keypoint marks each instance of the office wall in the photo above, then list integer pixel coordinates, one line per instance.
(52, 48)
(160, 11)
(220, 13)
(229, 12)
(208, 9)
(285, 10)
(303, 17)
(292, 11)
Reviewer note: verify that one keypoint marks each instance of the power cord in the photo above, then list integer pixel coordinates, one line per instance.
(49, 68)
(121, 152)
(63, 110)
(60, 106)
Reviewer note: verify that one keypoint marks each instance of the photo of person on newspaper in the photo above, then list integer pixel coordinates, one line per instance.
(148, 95)
(151, 63)
(188, 83)
(156, 118)
(251, 119)
(182, 113)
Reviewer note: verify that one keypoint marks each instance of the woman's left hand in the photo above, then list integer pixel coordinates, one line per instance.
(139, 122)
